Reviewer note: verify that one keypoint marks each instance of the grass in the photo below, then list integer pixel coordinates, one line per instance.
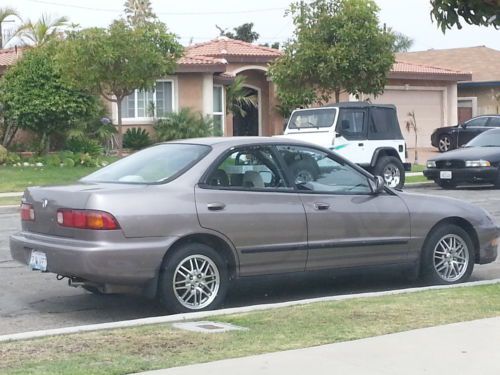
(160, 346)
(10, 201)
(19, 178)
(417, 167)
(415, 179)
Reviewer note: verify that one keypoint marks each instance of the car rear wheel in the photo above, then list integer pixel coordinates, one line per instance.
(194, 278)
(392, 170)
(448, 255)
(445, 143)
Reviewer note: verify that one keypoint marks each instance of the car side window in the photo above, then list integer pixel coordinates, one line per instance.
(351, 124)
(316, 171)
(494, 122)
(252, 168)
(477, 122)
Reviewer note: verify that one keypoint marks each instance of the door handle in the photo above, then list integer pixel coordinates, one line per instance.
(361, 144)
(321, 206)
(216, 206)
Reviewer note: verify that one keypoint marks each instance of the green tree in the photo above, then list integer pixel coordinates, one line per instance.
(5, 13)
(113, 62)
(243, 32)
(35, 97)
(139, 12)
(337, 45)
(449, 13)
(402, 43)
(39, 33)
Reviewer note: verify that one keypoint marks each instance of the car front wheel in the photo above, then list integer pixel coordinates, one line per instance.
(392, 170)
(194, 278)
(448, 255)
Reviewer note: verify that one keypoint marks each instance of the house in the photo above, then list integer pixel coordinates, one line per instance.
(8, 57)
(207, 68)
(481, 94)
(199, 82)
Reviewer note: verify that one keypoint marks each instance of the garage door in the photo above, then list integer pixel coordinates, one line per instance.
(428, 107)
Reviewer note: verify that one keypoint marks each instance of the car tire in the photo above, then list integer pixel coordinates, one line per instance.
(304, 171)
(440, 265)
(392, 171)
(445, 143)
(193, 278)
(446, 184)
(497, 181)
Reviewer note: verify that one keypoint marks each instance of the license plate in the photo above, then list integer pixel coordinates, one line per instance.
(445, 175)
(38, 261)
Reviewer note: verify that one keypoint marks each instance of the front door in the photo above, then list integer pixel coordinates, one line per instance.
(246, 198)
(246, 114)
(348, 226)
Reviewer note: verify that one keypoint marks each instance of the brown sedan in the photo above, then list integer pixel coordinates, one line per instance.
(179, 220)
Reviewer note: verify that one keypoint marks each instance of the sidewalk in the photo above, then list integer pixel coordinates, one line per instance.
(460, 348)
(9, 195)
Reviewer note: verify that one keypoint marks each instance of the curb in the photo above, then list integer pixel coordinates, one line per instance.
(11, 195)
(234, 310)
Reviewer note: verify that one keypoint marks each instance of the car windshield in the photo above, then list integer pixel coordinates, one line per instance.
(313, 118)
(157, 164)
(486, 139)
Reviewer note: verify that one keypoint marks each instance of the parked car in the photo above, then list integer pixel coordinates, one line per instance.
(452, 137)
(364, 133)
(180, 220)
(477, 162)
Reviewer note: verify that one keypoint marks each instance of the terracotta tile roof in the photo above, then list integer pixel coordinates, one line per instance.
(483, 62)
(405, 69)
(200, 60)
(9, 56)
(223, 47)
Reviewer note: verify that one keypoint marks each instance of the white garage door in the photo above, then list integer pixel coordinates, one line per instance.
(428, 107)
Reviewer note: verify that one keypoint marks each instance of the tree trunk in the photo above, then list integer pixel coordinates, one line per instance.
(416, 146)
(120, 131)
(337, 95)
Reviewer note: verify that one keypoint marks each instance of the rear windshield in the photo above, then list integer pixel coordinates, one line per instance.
(486, 139)
(312, 118)
(157, 164)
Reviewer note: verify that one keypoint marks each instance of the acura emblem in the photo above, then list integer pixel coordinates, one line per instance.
(45, 202)
(448, 163)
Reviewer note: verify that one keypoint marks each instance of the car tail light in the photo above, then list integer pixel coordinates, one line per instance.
(27, 212)
(87, 219)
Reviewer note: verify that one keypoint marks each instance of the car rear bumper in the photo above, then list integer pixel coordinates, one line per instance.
(472, 175)
(134, 262)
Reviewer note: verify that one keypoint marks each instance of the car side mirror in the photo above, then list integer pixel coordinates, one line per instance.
(377, 184)
(464, 126)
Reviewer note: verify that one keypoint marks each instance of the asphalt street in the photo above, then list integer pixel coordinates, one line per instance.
(33, 301)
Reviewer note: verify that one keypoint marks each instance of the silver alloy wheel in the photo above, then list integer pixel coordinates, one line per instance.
(392, 175)
(196, 282)
(444, 143)
(451, 258)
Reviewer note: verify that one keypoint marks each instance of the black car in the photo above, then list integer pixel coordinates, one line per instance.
(451, 137)
(477, 162)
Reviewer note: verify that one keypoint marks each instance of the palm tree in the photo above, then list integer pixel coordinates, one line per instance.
(42, 31)
(238, 97)
(139, 12)
(4, 14)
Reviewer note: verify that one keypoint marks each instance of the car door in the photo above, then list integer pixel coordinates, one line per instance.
(471, 129)
(348, 226)
(246, 198)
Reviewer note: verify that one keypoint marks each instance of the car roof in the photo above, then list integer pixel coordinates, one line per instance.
(357, 105)
(240, 141)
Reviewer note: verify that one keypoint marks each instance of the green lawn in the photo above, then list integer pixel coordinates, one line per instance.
(19, 178)
(130, 350)
(417, 167)
(415, 179)
(10, 201)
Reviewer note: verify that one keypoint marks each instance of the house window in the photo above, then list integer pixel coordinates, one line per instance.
(218, 111)
(148, 104)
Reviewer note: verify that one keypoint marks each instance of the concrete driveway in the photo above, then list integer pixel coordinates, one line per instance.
(32, 301)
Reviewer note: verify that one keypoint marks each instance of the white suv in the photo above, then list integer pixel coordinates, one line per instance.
(367, 134)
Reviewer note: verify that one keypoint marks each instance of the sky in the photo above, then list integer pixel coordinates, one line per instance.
(194, 20)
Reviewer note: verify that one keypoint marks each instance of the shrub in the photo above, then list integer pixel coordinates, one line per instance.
(84, 145)
(183, 124)
(136, 139)
(68, 162)
(3, 154)
(53, 161)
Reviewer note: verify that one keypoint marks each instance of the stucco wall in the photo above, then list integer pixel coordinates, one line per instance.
(485, 102)
(190, 88)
